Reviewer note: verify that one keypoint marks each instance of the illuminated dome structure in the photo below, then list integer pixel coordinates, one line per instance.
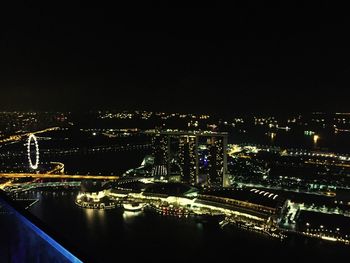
(172, 189)
(89, 186)
(94, 195)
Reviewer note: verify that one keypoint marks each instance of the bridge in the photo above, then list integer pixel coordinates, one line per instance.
(19, 137)
(17, 188)
(57, 176)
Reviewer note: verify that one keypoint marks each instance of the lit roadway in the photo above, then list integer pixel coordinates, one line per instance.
(57, 176)
(19, 137)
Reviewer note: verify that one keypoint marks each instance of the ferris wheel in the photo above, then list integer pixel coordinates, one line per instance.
(32, 138)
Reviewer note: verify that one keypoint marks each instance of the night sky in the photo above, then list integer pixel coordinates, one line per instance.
(201, 60)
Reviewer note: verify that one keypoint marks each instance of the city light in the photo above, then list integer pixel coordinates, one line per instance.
(263, 188)
(316, 138)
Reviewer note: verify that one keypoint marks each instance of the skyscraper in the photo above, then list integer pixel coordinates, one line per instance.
(160, 149)
(182, 148)
(217, 163)
(188, 158)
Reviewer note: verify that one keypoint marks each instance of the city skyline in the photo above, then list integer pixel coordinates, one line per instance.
(248, 181)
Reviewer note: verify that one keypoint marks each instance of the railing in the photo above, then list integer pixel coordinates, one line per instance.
(22, 240)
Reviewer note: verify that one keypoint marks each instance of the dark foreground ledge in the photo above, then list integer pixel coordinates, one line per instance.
(24, 238)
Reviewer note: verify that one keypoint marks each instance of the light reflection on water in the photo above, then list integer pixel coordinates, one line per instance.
(89, 213)
(129, 216)
(199, 226)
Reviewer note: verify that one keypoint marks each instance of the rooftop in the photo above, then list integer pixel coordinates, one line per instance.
(255, 196)
(171, 189)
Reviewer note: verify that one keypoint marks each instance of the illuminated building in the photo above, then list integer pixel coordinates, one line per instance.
(160, 149)
(94, 195)
(183, 146)
(160, 172)
(188, 158)
(257, 202)
(217, 162)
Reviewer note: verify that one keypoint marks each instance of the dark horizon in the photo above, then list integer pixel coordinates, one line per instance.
(206, 100)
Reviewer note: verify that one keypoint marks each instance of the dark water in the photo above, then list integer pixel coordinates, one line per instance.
(104, 163)
(107, 236)
(328, 141)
